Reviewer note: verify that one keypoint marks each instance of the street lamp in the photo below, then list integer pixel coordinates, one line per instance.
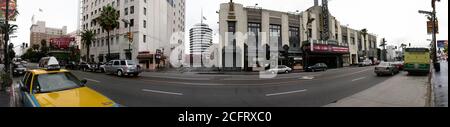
(432, 14)
(130, 38)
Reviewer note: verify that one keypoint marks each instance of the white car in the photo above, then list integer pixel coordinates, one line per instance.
(280, 69)
(365, 63)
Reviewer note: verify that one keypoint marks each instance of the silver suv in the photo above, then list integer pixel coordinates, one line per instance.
(122, 67)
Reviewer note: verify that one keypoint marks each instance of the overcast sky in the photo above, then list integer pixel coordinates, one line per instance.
(396, 20)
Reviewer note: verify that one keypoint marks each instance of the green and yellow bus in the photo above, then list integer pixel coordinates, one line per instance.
(417, 60)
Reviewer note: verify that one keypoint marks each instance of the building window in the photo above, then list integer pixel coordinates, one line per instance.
(344, 40)
(144, 38)
(117, 39)
(131, 22)
(145, 24)
(231, 30)
(132, 10)
(275, 36)
(294, 37)
(126, 11)
(253, 34)
(145, 11)
(352, 40)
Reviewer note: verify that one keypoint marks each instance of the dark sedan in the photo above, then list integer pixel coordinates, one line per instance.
(19, 69)
(317, 67)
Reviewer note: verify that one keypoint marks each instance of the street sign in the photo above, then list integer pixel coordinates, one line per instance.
(430, 27)
(12, 9)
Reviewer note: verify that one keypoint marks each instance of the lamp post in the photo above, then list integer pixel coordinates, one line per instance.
(432, 14)
(130, 38)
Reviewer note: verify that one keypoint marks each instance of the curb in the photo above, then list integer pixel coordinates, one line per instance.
(431, 100)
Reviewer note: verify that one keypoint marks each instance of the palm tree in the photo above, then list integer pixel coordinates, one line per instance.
(108, 20)
(12, 28)
(364, 34)
(44, 46)
(87, 37)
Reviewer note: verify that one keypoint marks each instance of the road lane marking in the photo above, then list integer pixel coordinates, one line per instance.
(162, 92)
(358, 79)
(284, 93)
(353, 73)
(92, 80)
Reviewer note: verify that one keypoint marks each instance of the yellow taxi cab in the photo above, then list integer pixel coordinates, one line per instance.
(55, 87)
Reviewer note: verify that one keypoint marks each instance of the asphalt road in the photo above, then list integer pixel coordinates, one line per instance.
(309, 89)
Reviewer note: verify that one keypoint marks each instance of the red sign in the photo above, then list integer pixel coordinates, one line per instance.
(62, 42)
(340, 49)
(323, 48)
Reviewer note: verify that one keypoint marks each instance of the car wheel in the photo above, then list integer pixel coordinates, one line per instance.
(312, 70)
(103, 71)
(392, 73)
(84, 69)
(287, 72)
(119, 73)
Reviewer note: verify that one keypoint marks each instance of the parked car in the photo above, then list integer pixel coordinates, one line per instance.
(86, 66)
(280, 69)
(316, 67)
(99, 67)
(386, 68)
(19, 69)
(122, 67)
(399, 65)
(365, 63)
(72, 65)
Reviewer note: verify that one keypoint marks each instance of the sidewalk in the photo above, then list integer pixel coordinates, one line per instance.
(4, 99)
(399, 91)
(439, 82)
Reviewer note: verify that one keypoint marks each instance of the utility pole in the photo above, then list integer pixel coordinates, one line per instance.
(432, 17)
(437, 66)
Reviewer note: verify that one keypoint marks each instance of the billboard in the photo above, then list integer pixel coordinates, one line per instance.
(441, 43)
(12, 9)
(324, 48)
(62, 42)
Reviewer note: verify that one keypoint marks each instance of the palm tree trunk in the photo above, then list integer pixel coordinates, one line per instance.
(88, 52)
(109, 50)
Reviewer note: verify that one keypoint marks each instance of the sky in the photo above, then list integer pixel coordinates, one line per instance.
(396, 20)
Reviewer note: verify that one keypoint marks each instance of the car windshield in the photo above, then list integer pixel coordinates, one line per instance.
(56, 82)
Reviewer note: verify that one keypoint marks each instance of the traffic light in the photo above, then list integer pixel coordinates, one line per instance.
(130, 36)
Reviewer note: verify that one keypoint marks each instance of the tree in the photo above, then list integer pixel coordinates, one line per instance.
(35, 47)
(12, 28)
(364, 34)
(446, 49)
(108, 20)
(87, 37)
(44, 47)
